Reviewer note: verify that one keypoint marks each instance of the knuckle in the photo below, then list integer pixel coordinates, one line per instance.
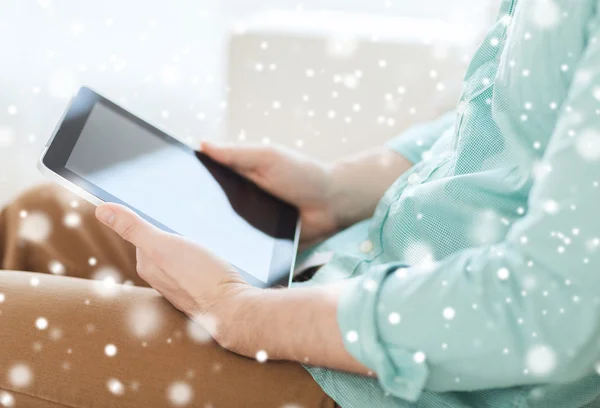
(127, 232)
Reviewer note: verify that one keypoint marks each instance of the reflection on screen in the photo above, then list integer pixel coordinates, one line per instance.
(169, 185)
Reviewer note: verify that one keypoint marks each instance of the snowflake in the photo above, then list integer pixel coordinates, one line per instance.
(106, 281)
(261, 356)
(394, 318)
(545, 14)
(36, 227)
(486, 227)
(418, 253)
(370, 285)
(352, 336)
(551, 207)
(115, 386)
(419, 357)
(41, 323)
(588, 144)
(541, 360)
(180, 393)
(56, 268)
(6, 399)
(503, 274)
(144, 319)
(20, 375)
(341, 47)
(56, 334)
(197, 331)
(449, 313)
(110, 350)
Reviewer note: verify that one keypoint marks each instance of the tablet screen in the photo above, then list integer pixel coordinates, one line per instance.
(183, 192)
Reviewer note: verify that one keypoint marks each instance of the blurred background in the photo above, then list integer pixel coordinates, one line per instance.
(327, 77)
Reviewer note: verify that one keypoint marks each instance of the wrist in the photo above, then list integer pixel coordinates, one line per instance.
(230, 313)
(338, 195)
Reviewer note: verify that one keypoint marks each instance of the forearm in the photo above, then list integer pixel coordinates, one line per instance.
(298, 324)
(359, 182)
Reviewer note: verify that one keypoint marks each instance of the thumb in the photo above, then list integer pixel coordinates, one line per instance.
(130, 226)
(240, 158)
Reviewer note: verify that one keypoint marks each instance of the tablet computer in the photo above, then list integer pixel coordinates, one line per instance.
(104, 153)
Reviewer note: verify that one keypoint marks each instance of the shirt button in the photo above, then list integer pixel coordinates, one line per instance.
(462, 107)
(366, 247)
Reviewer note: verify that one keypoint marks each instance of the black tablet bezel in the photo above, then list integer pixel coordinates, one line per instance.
(60, 147)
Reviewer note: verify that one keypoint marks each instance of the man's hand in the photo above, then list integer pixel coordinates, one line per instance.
(291, 324)
(330, 198)
(295, 179)
(194, 280)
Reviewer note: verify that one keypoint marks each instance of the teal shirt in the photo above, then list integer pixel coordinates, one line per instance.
(476, 283)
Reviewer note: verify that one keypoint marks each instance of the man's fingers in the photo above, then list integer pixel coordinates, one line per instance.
(240, 158)
(130, 226)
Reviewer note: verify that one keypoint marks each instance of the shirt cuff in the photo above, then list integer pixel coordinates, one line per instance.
(401, 372)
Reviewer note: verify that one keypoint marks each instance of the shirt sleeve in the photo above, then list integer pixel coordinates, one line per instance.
(420, 138)
(522, 311)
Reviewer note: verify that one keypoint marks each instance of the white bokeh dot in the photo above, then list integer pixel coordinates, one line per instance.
(352, 336)
(180, 393)
(6, 399)
(115, 387)
(503, 274)
(20, 375)
(110, 350)
(394, 318)
(106, 281)
(541, 360)
(545, 13)
(56, 268)
(72, 220)
(449, 313)
(551, 207)
(36, 227)
(261, 356)
(144, 319)
(419, 357)
(588, 145)
(41, 323)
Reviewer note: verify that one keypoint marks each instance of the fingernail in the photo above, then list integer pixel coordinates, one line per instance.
(105, 215)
